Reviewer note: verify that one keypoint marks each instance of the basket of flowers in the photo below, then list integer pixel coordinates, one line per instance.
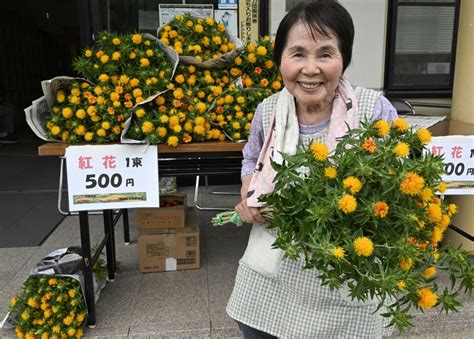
(369, 218)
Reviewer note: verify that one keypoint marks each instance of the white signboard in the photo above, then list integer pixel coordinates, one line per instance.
(168, 12)
(458, 154)
(112, 177)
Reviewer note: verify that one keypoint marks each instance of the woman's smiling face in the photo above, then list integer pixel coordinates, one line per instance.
(311, 67)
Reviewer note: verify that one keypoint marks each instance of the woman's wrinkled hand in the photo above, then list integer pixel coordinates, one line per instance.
(249, 214)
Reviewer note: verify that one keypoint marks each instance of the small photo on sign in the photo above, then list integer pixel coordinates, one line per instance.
(112, 197)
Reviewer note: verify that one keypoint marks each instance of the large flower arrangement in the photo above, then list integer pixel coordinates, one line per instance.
(367, 217)
(121, 71)
(50, 307)
(204, 99)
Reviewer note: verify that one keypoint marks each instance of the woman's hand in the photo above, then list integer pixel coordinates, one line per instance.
(247, 214)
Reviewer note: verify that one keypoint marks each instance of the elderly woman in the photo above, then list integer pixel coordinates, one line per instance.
(273, 296)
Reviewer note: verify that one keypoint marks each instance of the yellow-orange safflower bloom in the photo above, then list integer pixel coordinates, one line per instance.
(89, 136)
(406, 264)
(172, 141)
(276, 85)
(347, 204)
(330, 172)
(434, 212)
(424, 135)
(103, 78)
(261, 50)
(144, 62)
(201, 107)
(269, 64)
(198, 28)
(147, 127)
(353, 184)
(442, 186)
(412, 183)
(369, 145)
(426, 194)
(252, 58)
(401, 285)
(383, 128)
(136, 39)
(452, 209)
(429, 272)
(199, 129)
(320, 151)
(426, 298)
(363, 246)
(339, 252)
(402, 149)
(400, 124)
(67, 112)
(161, 131)
(104, 58)
(381, 209)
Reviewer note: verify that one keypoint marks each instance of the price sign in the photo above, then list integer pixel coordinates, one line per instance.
(112, 177)
(458, 154)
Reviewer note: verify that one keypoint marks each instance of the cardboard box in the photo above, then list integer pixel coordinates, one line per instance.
(171, 214)
(170, 249)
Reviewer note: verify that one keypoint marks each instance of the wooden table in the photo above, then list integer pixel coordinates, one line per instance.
(452, 127)
(59, 149)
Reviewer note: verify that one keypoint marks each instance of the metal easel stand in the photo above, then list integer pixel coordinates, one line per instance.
(118, 213)
(196, 195)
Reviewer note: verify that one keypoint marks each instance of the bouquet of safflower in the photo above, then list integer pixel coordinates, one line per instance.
(181, 115)
(367, 217)
(52, 305)
(48, 307)
(257, 66)
(121, 71)
(132, 61)
(199, 41)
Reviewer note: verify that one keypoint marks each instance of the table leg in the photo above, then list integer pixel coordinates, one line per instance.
(126, 228)
(110, 243)
(87, 270)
